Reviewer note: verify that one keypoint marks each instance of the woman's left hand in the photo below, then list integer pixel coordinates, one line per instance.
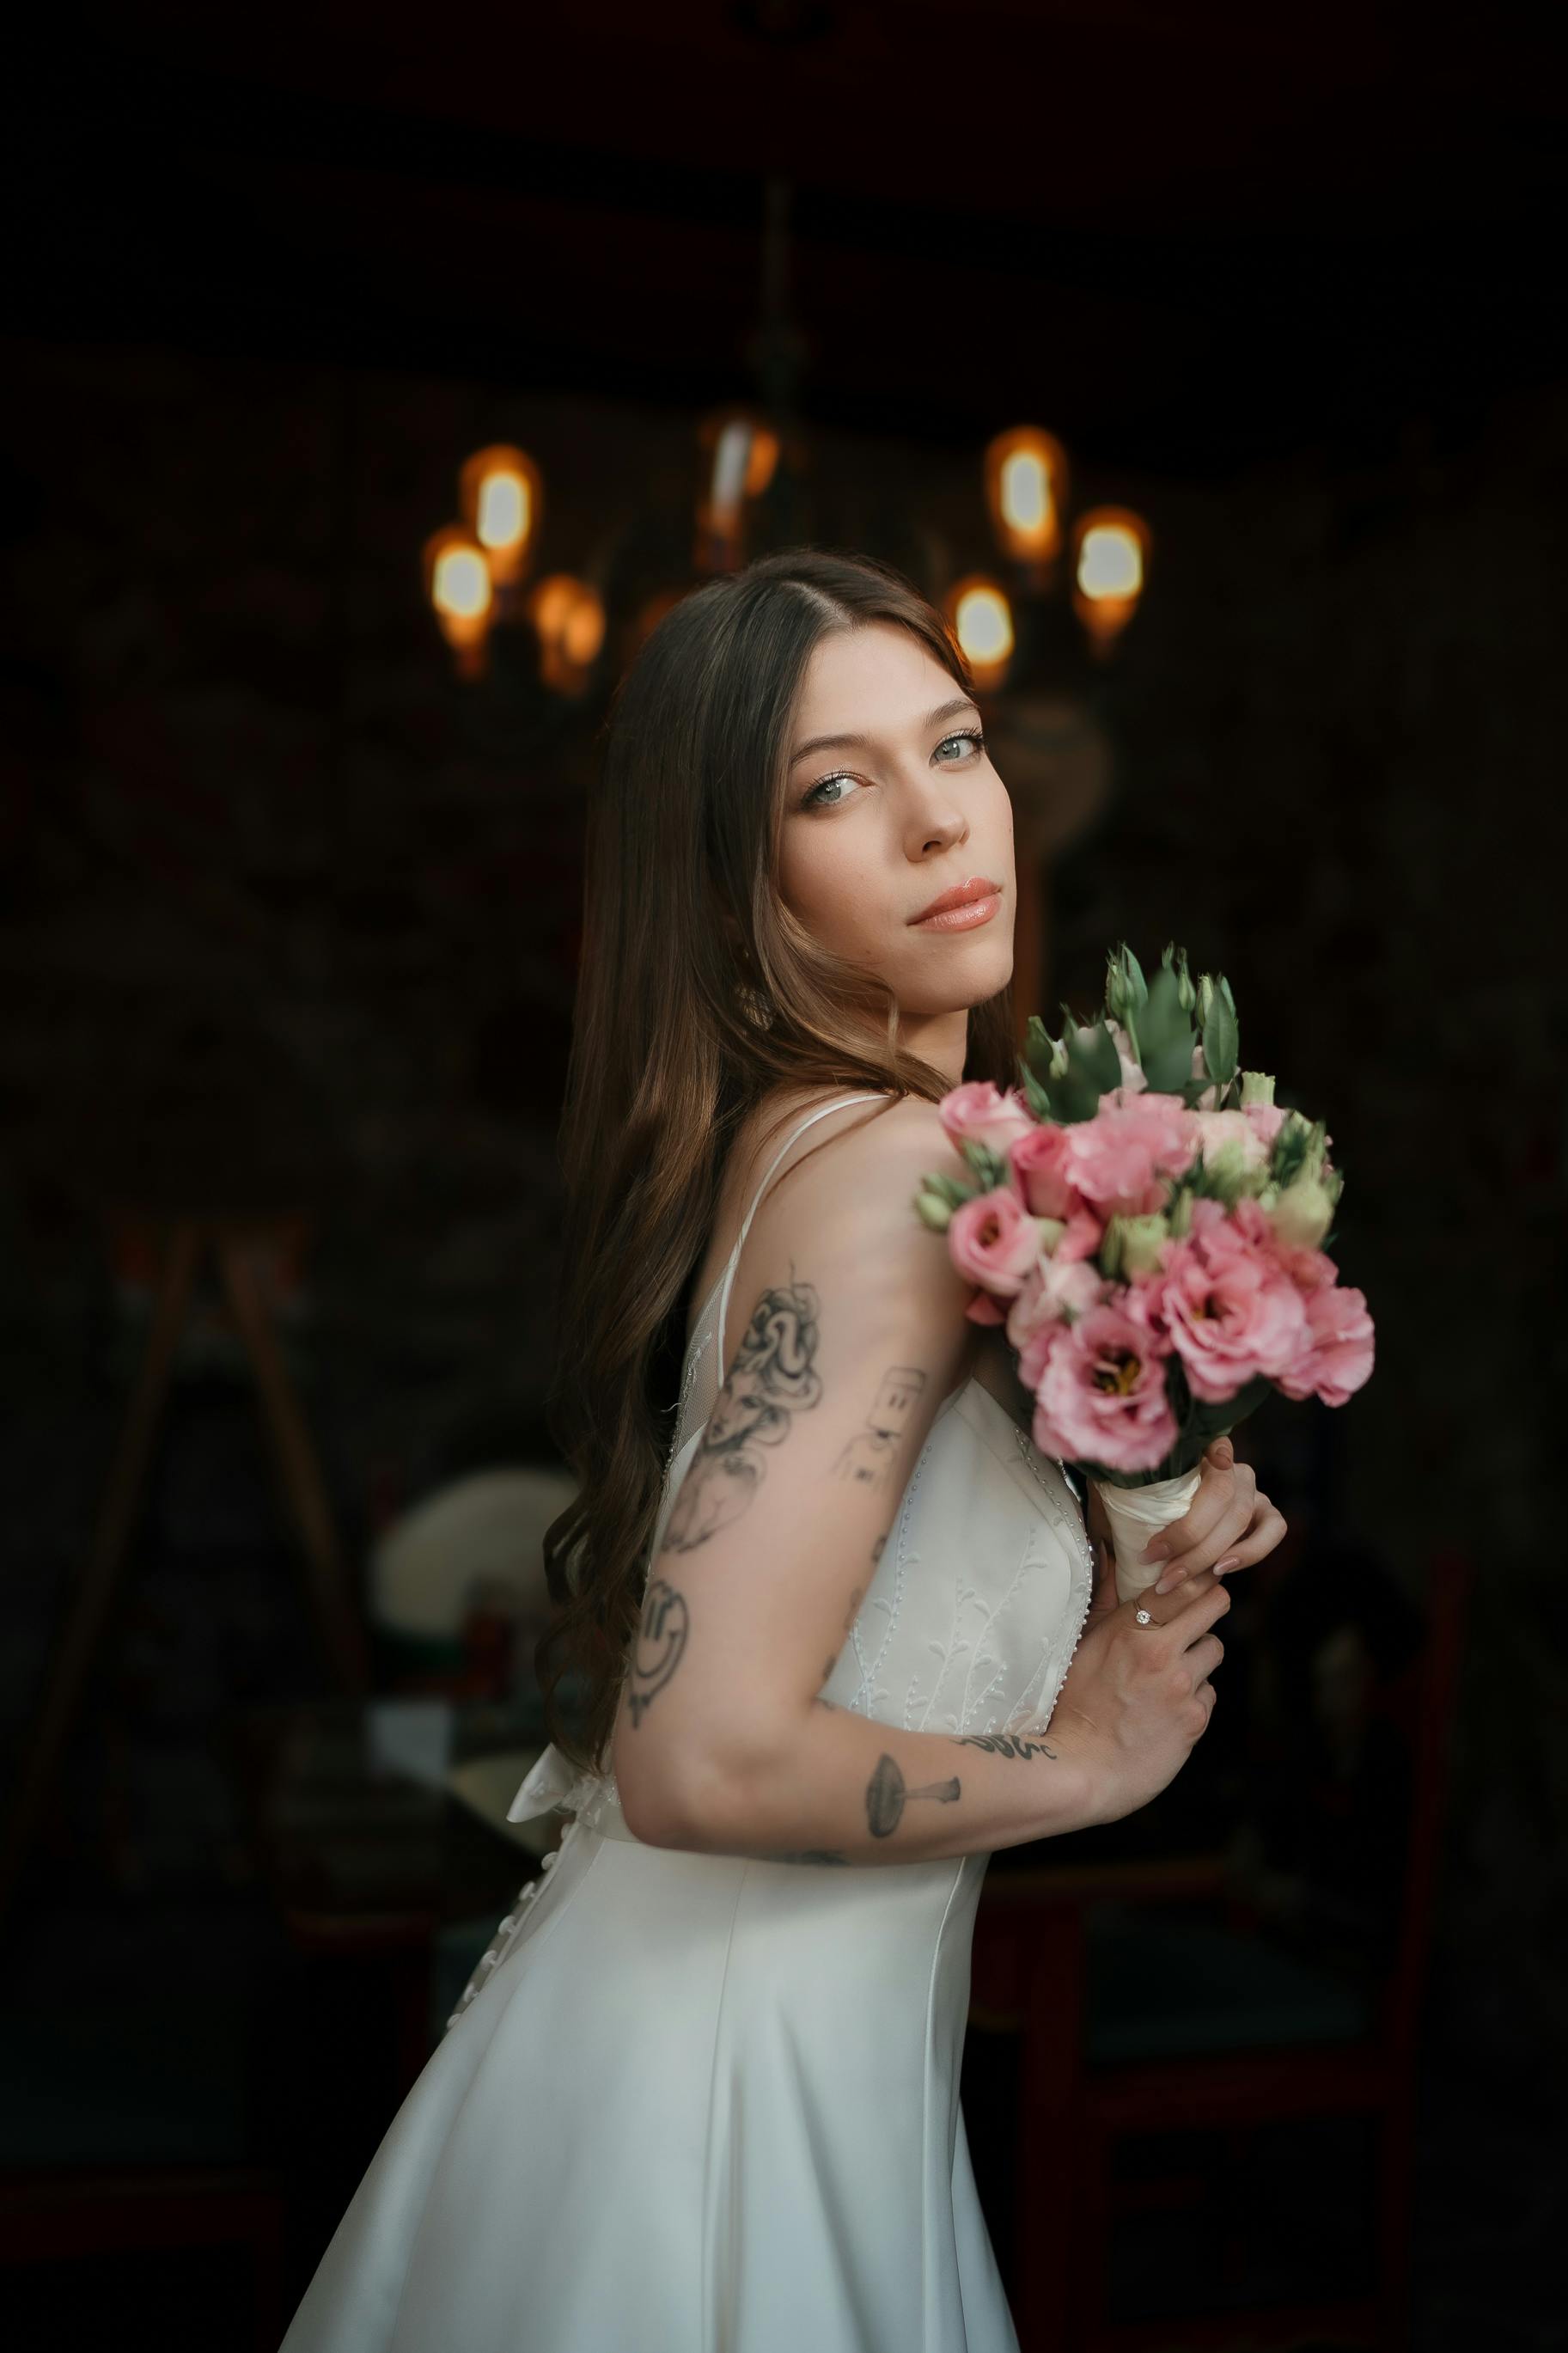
(1229, 1523)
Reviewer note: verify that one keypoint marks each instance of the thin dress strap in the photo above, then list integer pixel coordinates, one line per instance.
(821, 1111)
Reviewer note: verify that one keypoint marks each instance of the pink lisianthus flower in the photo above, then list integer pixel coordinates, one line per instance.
(1117, 1159)
(1336, 1355)
(977, 1113)
(994, 1241)
(1053, 1292)
(1101, 1398)
(1081, 1236)
(1266, 1120)
(1230, 1307)
(1217, 1128)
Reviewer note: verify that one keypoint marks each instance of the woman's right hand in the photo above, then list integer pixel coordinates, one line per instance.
(1136, 1699)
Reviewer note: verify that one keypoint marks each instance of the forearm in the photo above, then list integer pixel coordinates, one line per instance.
(843, 1788)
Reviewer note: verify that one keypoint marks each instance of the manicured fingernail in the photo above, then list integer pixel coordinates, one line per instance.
(1156, 1549)
(1172, 1577)
(1223, 1448)
(1221, 1566)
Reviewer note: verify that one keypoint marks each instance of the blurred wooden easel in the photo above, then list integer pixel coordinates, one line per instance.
(179, 1243)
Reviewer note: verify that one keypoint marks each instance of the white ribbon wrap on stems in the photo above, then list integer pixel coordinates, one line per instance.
(1135, 1513)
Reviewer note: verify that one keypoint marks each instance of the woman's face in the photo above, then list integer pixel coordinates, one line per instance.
(904, 804)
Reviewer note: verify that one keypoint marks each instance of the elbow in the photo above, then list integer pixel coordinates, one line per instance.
(706, 1800)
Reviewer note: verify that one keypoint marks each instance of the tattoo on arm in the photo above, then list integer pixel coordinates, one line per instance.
(871, 1457)
(1004, 1744)
(660, 1639)
(887, 1795)
(772, 1379)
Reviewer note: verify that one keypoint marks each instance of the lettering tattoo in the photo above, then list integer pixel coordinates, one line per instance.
(772, 1379)
(871, 1457)
(660, 1639)
(887, 1795)
(1004, 1744)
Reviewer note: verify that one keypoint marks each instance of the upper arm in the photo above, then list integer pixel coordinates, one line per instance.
(846, 1332)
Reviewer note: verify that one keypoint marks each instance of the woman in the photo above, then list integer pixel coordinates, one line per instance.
(836, 1630)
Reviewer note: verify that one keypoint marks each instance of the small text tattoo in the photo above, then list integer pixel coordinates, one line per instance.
(1004, 1744)
(660, 1639)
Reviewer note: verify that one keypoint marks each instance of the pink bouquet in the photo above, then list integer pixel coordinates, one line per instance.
(1151, 1228)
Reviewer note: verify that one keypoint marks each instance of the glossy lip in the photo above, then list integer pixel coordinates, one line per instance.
(959, 894)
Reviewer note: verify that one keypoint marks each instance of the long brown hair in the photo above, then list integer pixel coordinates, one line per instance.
(697, 993)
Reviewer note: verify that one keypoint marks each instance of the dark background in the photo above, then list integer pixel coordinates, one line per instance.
(288, 909)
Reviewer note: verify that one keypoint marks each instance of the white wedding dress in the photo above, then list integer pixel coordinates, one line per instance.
(693, 2104)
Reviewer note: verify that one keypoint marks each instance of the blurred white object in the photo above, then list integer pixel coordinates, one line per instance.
(486, 1785)
(411, 1737)
(482, 1535)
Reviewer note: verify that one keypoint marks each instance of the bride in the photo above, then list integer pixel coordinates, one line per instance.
(841, 1631)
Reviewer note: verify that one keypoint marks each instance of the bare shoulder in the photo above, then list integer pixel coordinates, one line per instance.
(847, 1207)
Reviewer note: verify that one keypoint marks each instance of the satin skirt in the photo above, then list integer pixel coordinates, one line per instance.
(697, 2104)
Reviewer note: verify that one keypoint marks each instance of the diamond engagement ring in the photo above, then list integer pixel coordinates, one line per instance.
(1143, 1616)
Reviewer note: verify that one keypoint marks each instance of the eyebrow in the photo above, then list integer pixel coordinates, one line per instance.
(859, 742)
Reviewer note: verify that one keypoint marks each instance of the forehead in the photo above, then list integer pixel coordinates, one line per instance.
(877, 680)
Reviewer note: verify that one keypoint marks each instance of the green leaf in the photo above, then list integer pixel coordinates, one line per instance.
(1222, 1037)
(1165, 1036)
(1094, 1050)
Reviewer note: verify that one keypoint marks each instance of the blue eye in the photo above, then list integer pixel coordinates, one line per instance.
(971, 735)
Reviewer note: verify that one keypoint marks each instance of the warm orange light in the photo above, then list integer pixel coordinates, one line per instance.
(1110, 556)
(501, 495)
(981, 613)
(1026, 492)
(568, 616)
(741, 455)
(458, 583)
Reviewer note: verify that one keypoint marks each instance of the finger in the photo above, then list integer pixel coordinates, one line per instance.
(1226, 1530)
(1221, 1508)
(1216, 1492)
(1262, 1538)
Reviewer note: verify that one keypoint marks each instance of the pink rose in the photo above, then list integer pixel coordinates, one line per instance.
(1231, 1309)
(1039, 1163)
(1338, 1354)
(1102, 1396)
(1117, 1158)
(977, 1114)
(994, 1241)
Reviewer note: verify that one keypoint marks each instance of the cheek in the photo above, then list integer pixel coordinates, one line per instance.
(822, 886)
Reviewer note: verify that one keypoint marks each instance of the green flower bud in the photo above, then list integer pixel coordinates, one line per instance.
(1051, 1230)
(1182, 1214)
(1256, 1087)
(1187, 995)
(1226, 1173)
(932, 1211)
(1142, 1238)
(1303, 1213)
